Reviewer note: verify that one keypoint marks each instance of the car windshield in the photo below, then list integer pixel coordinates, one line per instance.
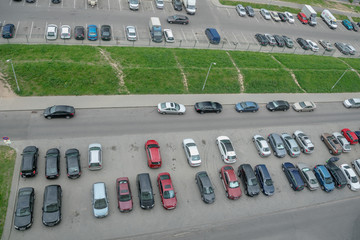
(266, 149)
(313, 181)
(328, 180)
(53, 109)
(234, 184)
(100, 203)
(296, 149)
(351, 101)
(51, 34)
(275, 104)
(302, 104)
(195, 157)
(22, 212)
(243, 105)
(208, 190)
(268, 182)
(169, 194)
(134, 1)
(160, 2)
(146, 196)
(253, 182)
(177, 106)
(280, 146)
(53, 207)
(125, 197)
(354, 179)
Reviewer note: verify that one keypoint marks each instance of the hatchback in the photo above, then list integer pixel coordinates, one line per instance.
(131, 33)
(261, 145)
(191, 152)
(308, 176)
(350, 136)
(8, 31)
(169, 36)
(304, 142)
(205, 187)
(30, 156)
(230, 182)
(226, 149)
(324, 178)
(92, 33)
(352, 179)
(125, 202)
(181, 19)
(152, 150)
(24, 210)
(277, 145)
(293, 176)
(347, 24)
(301, 16)
(95, 156)
(100, 201)
(177, 5)
(278, 105)
(52, 163)
(291, 146)
(51, 32)
(79, 33)
(73, 166)
(65, 32)
(105, 31)
(59, 111)
(247, 106)
(52, 205)
(247, 175)
(266, 183)
(167, 192)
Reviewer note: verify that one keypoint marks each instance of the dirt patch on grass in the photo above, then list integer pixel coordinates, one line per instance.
(5, 89)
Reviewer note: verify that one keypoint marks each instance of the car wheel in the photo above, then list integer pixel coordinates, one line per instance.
(170, 22)
(163, 113)
(67, 117)
(291, 185)
(217, 111)
(202, 198)
(331, 152)
(322, 138)
(48, 117)
(302, 150)
(254, 111)
(322, 187)
(227, 194)
(181, 113)
(285, 110)
(349, 186)
(275, 154)
(201, 112)
(272, 110)
(220, 175)
(246, 192)
(184, 23)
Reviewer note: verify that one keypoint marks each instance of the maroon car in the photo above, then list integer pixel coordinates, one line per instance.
(125, 203)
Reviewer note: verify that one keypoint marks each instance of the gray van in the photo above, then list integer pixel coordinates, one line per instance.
(100, 200)
(212, 35)
(277, 145)
(145, 191)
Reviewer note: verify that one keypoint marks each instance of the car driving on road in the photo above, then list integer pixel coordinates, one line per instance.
(59, 111)
(207, 107)
(180, 19)
(171, 108)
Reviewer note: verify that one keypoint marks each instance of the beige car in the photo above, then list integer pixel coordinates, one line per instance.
(305, 106)
(275, 16)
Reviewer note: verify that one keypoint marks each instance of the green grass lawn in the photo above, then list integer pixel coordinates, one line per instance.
(254, 60)
(259, 6)
(353, 62)
(7, 162)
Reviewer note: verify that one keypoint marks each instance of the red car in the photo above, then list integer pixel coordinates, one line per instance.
(230, 182)
(301, 16)
(166, 189)
(125, 203)
(350, 136)
(152, 149)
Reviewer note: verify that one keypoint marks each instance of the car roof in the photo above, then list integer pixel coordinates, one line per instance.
(51, 193)
(99, 190)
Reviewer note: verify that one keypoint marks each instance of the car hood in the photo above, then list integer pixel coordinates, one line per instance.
(170, 203)
(47, 111)
(234, 192)
(101, 212)
(51, 217)
(182, 108)
(297, 106)
(268, 190)
(209, 198)
(253, 190)
(21, 222)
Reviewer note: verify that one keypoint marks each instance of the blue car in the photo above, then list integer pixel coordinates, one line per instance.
(293, 176)
(246, 107)
(324, 178)
(347, 24)
(92, 32)
(265, 180)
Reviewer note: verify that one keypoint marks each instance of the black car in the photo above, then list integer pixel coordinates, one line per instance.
(105, 32)
(249, 11)
(73, 167)
(293, 176)
(278, 105)
(336, 173)
(30, 1)
(262, 39)
(279, 40)
(288, 41)
(8, 31)
(29, 161)
(247, 175)
(342, 48)
(355, 26)
(206, 107)
(205, 187)
(52, 163)
(303, 43)
(177, 5)
(145, 191)
(59, 111)
(79, 32)
(181, 19)
(282, 17)
(56, 1)
(265, 180)
(23, 218)
(52, 205)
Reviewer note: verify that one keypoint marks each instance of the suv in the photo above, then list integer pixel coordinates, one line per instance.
(230, 182)
(324, 178)
(52, 205)
(24, 211)
(29, 161)
(293, 176)
(291, 146)
(277, 145)
(332, 143)
(51, 32)
(100, 200)
(246, 173)
(226, 148)
(265, 180)
(205, 187)
(145, 191)
(8, 31)
(304, 142)
(336, 173)
(95, 156)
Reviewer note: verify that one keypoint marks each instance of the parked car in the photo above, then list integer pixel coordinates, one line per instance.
(177, 5)
(226, 149)
(343, 142)
(261, 145)
(51, 32)
(279, 41)
(145, 191)
(326, 45)
(249, 11)
(247, 175)
(247, 106)
(271, 39)
(355, 26)
(191, 152)
(65, 32)
(52, 163)
(59, 111)
(131, 33)
(207, 107)
(171, 108)
(288, 41)
(240, 10)
(181, 19)
(277, 145)
(125, 202)
(24, 210)
(105, 31)
(308, 176)
(265, 13)
(342, 48)
(313, 46)
(290, 144)
(352, 103)
(265, 181)
(302, 18)
(205, 187)
(293, 176)
(262, 39)
(338, 176)
(230, 182)
(278, 105)
(167, 191)
(303, 43)
(275, 16)
(331, 143)
(282, 17)
(351, 49)
(79, 33)
(56, 1)
(51, 215)
(159, 4)
(95, 159)
(352, 179)
(134, 4)
(347, 24)
(8, 31)
(356, 165)
(92, 33)
(289, 17)
(152, 150)
(304, 142)
(212, 35)
(100, 201)
(30, 156)
(306, 106)
(73, 166)
(350, 136)
(168, 35)
(323, 176)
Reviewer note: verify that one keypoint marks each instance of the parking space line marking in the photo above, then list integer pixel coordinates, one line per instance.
(45, 29)
(74, 3)
(32, 25)
(152, 6)
(194, 35)
(10, 1)
(235, 37)
(62, 4)
(244, 37)
(183, 34)
(228, 13)
(138, 33)
(112, 35)
(24, 3)
(17, 27)
(257, 19)
(49, 3)
(109, 4)
(120, 5)
(85, 4)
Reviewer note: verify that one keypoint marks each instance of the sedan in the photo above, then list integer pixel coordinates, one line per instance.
(350, 136)
(152, 150)
(325, 180)
(24, 210)
(279, 41)
(352, 50)
(205, 187)
(343, 142)
(313, 46)
(303, 43)
(52, 205)
(291, 146)
(306, 106)
(8, 31)
(171, 108)
(289, 17)
(265, 181)
(278, 105)
(352, 103)
(191, 152)
(304, 142)
(52, 163)
(288, 41)
(131, 33)
(331, 143)
(326, 45)
(261, 145)
(230, 182)
(265, 13)
(347, 24)
(73, 167)
(29, 159)
(308, 176)
(169, 36)
(249, 179)
(355, 26)
(249, 11)
(167, 192)
(271, 39)
(262, 39)
(293, 176)
(277, 145)
(125, 202)
(226, 149)
(59, 111)
(181, 19)
(247, 106)
(352, 179)
(65, 32)
(356, 165)
(105, 32)
(207, 107)
(302, 18)
(275, 16)
(79, 33)
(240, 10)
(92, 33)
(51, 32)
(342, 48)
(282, 17)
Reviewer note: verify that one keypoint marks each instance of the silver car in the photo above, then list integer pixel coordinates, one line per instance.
(343, 142)
(131, 33)
(352, 103)
(265, 13)
(51, 32)
(277, 145)
(304, 142)
(65, 32)
(356, 165)
(95, 156)
(291, 146)
(191, 152)
(262, 146)
(159, 4)
(275, 16)
(100, 200)
(171, 108)
(240, 10)
(308, 176)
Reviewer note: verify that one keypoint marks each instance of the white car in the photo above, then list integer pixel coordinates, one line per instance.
(262, 146)
(65, 32)
(171, 108)
(356, 165)
(305, 106)
(131, 33)
(240, 10)
(352, 103)
(51, 32)
(168, 35)
(265, 13)
(304, 142)
(275, 16)
(191, 152)
(272, 41)
(289, 17)
(352, 50)
(313, 46)
(159, 4)
(352, 179)
(95, 156)
(343, 142)
(226, 148)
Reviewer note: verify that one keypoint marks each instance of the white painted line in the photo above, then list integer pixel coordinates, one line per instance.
(24, 3)
(49, 3)
(244, 37)
(112, 34)
(194, 35)
(120, 5)
(138, 33)
(17, 27)
(257, 19)
(36, 3)
(85, 4)
(45, 29)
(235, 37)
(109, 4)
(74, 3)
(228, 13)
(62, 4)
(10, 1)
(152, 6)
(32, 25)
(182, 32)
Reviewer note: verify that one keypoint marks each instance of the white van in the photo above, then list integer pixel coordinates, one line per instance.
(329, 19)
(100, 200)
